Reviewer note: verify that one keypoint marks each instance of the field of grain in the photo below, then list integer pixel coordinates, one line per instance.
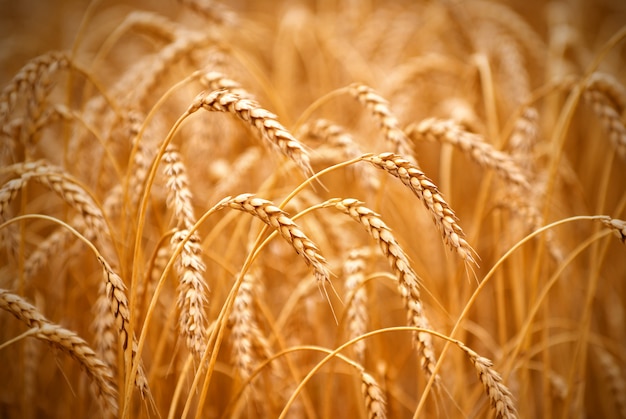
(313, 209)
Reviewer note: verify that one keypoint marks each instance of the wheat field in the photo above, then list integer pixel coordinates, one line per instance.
(313, 209)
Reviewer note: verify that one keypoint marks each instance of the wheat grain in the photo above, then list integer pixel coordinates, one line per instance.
(67, 341)
(408, 281)
(264, 121)
(443, 216)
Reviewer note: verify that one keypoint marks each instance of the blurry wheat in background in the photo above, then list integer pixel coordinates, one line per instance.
(313, 209)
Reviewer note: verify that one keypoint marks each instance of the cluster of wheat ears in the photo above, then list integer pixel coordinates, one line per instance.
(315, 209)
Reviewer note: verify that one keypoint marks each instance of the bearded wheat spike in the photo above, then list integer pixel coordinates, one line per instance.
(249, 344)
(61, 183)
(500, 397)
(192, 291)
(278, 219)
(473, 145)
(388, 122)
(356, 313)
(68, 342)
(118, 305)
(427, 192)
(38, 70)
(408, 281)
(263, 120)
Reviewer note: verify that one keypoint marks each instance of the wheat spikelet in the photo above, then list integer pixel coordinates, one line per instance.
(67, 341)
(356, 313)
(374, 397)
(264, 121)
(389, 123)
(427, 192)
(408, 281)
(499, 395)
(473, 145)
(278, 219)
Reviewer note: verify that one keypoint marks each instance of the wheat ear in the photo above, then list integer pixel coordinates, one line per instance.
(605, 108)
(500, 397)
(441, 213)
(249, 343)
(279, 220)
(379, 107)
(356, 313)
(118, 305)
(473, 145)
(374, 397)
(68, 342)
(408, 281)
(263, 120)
